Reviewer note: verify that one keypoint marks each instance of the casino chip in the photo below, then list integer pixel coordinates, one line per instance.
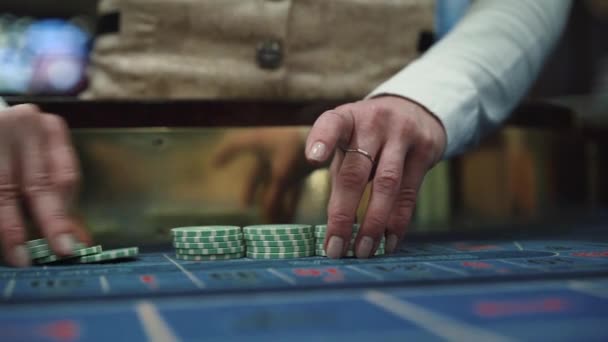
(206, 243)
(224, 244)
(278, 237)
(77, 253)
(209, 251)
(208, 239)
(281, 241)
(278, 229)
(206, 231)
(41, 253)
(321, 231)
(113, 254)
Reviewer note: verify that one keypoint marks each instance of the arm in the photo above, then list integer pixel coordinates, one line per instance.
(470, 81)
(473, 78)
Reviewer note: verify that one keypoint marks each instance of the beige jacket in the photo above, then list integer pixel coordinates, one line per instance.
(268, 49)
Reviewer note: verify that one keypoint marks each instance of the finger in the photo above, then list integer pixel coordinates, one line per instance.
(385, 188)
(63, 165)
(413, 174)
(332, 127)
(346, 193)
(256, 178)
(234, 145)
(46, 202)
(275, 196)
(12, 228)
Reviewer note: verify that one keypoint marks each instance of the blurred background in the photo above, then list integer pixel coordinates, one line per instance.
(547, 165)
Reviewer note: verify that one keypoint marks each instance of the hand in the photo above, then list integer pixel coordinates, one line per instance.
(38, 169)
(279, 164)
(403, 139)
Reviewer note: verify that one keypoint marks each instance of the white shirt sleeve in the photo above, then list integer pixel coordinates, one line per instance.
(474, 77)
(3, 104)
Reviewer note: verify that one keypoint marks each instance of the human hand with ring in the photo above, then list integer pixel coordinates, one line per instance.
(389, 141)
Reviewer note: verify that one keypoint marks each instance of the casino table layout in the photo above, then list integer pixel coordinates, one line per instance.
(468, 290)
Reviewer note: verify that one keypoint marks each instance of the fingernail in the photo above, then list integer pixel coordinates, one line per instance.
(21, 257)
(65, 243)
(365, 247)
(335, 247)
(317, 152)
(391, 243)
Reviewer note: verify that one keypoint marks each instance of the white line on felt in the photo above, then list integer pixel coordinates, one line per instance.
(438, 324)
(367, 273)
(199, 283)
(518, 245)
(447, 269)
(155, 327)
(103, 282)
(516, 264)
(8, 290)
(282, 276)
(588, 289)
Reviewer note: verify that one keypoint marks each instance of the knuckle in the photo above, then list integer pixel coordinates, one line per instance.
(340, 218)
(409, 127)
(347, 107)
(38, 182)
(12, 233)
(353, 177)
(8, 189)
(426, 145)
(406, 200)
(54, 124)
(27, 108)
(387, 181)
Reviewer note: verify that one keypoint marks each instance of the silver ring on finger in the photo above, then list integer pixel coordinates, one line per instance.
(361, 152)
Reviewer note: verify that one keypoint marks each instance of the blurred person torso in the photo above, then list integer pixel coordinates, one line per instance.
(258, 49)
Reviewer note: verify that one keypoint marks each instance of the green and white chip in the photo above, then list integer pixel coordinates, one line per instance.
(210, 251)
(209, 257)
(208, 239)
(253, 255)
(37, 242)
(226, 244)
(41, 253)
(206, 231)
(272, 229)
(288, 243)
(279, 237)
(77, 253)
(310, 248)
(39, 248)
(113, 254)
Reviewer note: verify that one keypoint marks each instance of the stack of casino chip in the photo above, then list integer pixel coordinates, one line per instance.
(321, 231)
(205, 243)
(279, 241)
(40, 253)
